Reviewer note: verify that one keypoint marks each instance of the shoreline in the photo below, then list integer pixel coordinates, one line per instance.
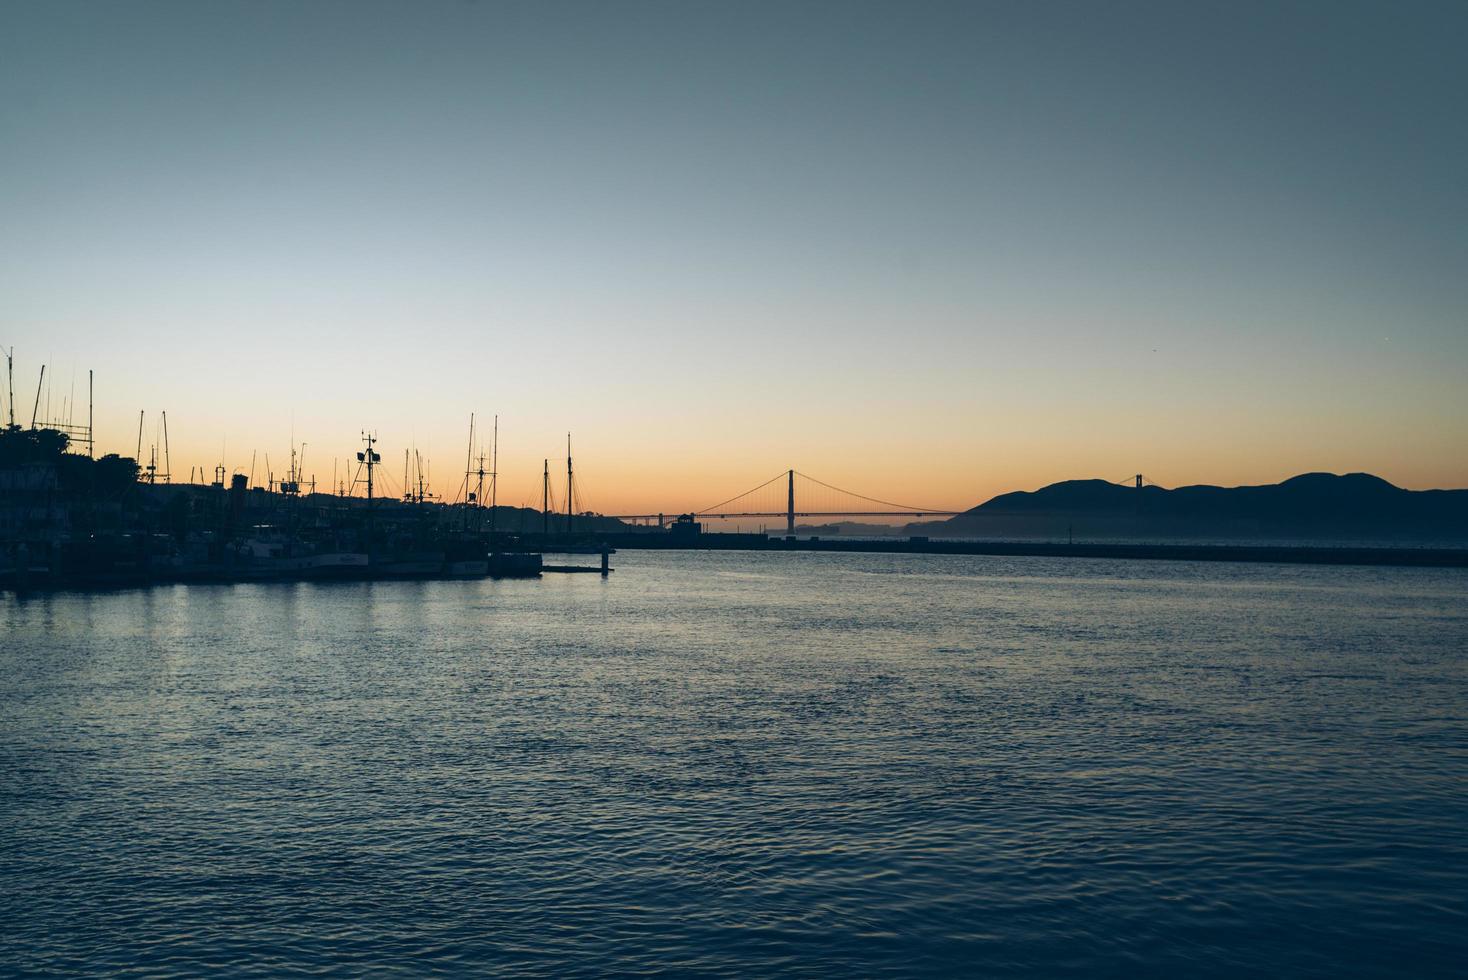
(1259, 554)
(1357, 556)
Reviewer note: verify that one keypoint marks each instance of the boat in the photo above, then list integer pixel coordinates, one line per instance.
(423, 564)
(339, 564)
(514, 564)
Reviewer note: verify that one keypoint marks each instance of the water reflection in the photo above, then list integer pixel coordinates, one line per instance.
(744, 764)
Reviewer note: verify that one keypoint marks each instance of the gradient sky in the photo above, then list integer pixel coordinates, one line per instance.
(932, 252)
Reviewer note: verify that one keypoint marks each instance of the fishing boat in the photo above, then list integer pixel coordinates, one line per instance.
(339, 565)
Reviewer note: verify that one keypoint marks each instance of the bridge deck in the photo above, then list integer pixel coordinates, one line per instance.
(715, 516)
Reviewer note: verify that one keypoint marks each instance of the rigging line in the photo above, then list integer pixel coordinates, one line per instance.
(874, 500)
(388, 484)
(720, 504)
(385, 487)
(578, 494)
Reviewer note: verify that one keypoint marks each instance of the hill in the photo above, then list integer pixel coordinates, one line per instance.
(1315, 506)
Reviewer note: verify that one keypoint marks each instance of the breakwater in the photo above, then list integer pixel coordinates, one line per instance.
(1281, 554)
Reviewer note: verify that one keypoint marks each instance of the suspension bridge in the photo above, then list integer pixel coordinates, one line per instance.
(777, 497)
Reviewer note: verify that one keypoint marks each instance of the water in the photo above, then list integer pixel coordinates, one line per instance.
(733, 764)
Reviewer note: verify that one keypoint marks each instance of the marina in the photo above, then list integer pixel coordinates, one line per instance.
(69, 520)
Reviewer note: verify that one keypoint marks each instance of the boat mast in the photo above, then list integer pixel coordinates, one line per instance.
(494, 473)
(39, 384)
(468, 470)
(370, 458)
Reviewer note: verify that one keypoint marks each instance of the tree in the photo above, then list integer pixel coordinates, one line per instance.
(20, 446)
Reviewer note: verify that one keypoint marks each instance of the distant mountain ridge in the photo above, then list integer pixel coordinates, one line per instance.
(1312, 505)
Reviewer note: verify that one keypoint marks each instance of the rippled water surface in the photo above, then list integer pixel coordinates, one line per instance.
(848, 765)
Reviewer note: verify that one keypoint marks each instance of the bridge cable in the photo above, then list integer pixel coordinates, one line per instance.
(885, 503)
(719, 506)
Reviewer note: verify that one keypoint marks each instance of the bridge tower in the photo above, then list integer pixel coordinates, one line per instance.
(1139, 481)
(790, 506)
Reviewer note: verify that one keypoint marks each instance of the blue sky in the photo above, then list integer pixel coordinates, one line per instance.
(944, 249)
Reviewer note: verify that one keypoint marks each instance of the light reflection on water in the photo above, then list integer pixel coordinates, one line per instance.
(736, 764)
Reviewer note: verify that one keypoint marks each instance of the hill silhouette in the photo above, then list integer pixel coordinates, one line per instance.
(1353, 506)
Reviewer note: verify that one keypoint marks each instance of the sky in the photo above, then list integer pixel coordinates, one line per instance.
(929, 252)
